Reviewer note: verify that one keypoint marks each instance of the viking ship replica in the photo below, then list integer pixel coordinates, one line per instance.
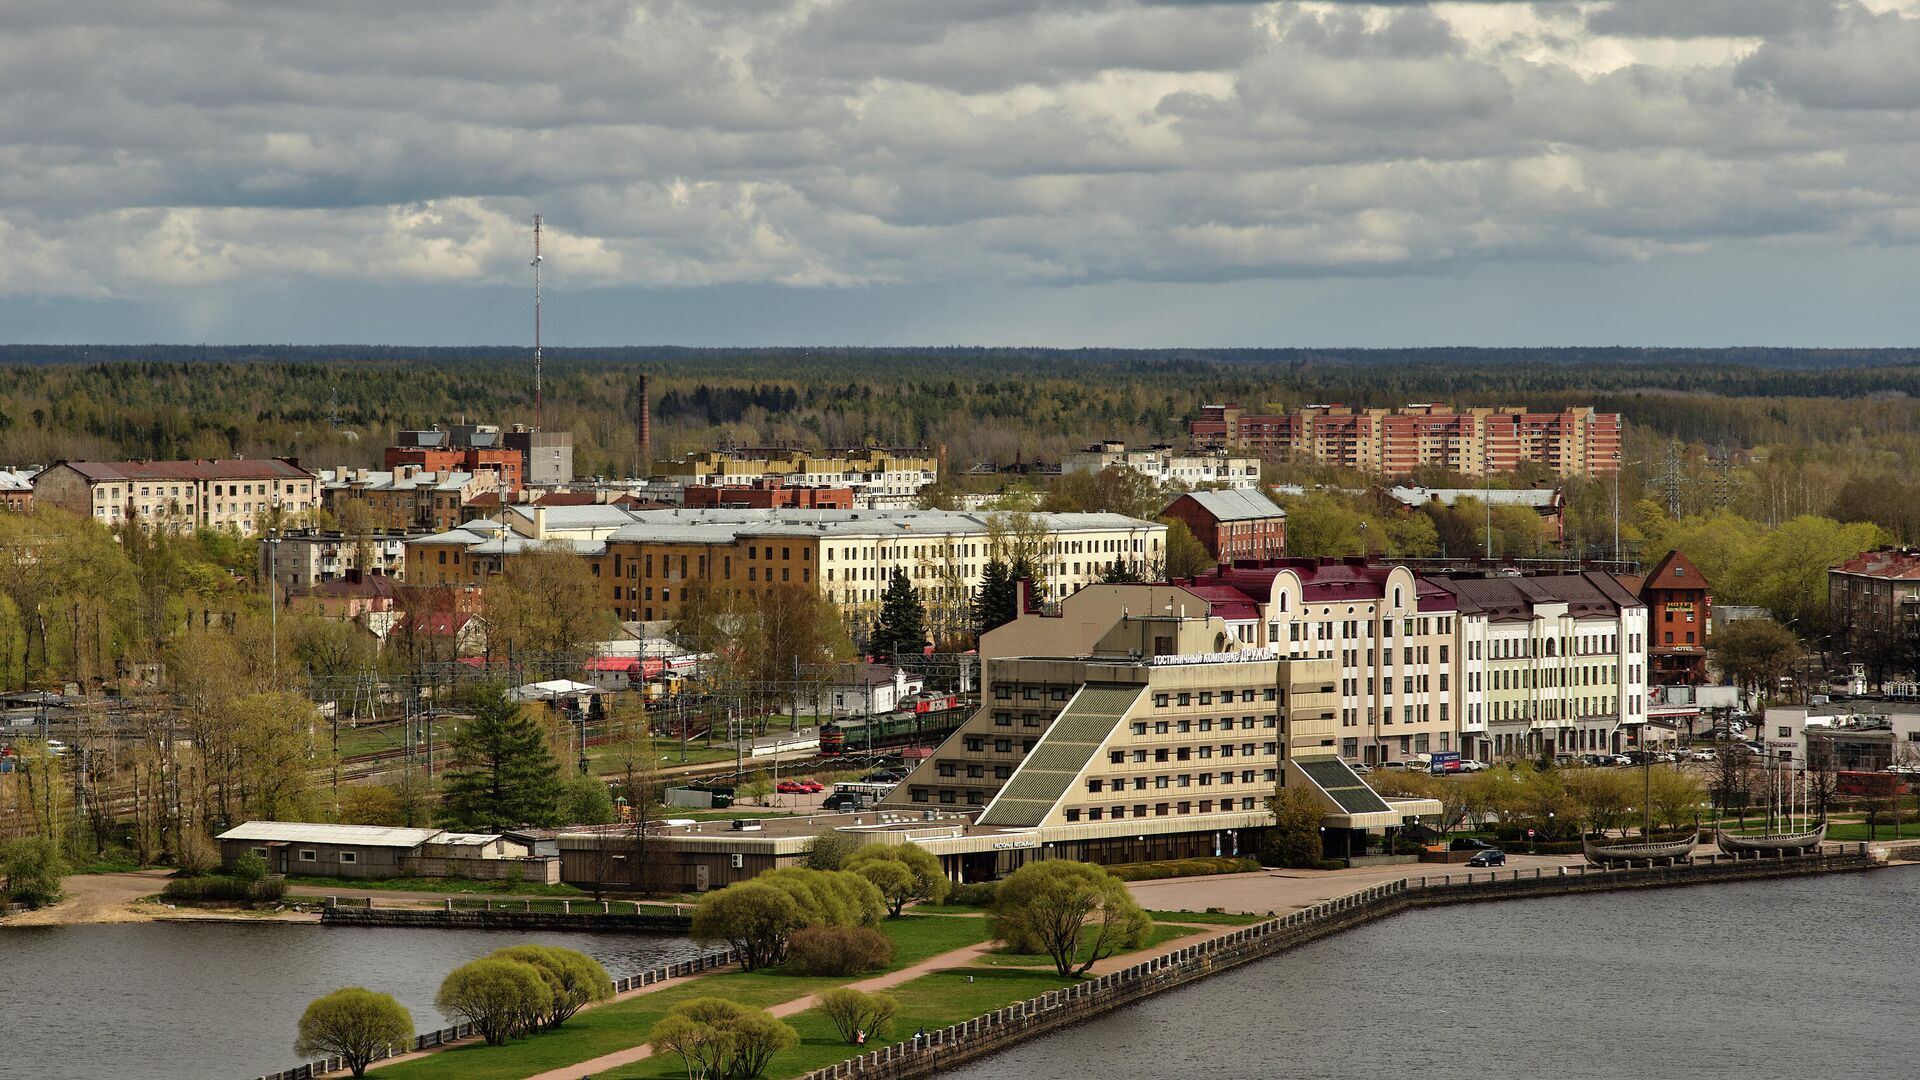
(1604, 852)
(1788, 794)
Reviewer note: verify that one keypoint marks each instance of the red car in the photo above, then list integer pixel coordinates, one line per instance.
(791, 787)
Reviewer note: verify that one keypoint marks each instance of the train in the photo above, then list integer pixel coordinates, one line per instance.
(921, 719)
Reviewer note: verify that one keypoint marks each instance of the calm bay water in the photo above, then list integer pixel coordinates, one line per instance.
(219, 1001)
(1783, 980)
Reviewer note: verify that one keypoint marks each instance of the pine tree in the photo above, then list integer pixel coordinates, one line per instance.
(903, 619)
(1119, 571)
(993, 604)
(503, 773)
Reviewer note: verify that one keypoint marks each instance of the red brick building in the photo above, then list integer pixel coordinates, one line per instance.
(503, 463)
(1679, 611)
(766, 493)
(1394, 442)
(1233, 524)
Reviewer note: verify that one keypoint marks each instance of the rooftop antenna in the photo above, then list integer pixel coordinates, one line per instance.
(538, 418)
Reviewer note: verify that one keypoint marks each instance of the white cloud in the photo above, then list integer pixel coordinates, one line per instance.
(171, 144)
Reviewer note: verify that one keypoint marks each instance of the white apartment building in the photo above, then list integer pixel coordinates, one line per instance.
(1167, 466)
(240, 495)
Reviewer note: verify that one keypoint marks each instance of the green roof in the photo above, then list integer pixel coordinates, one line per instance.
(1341, 784)
(1061, 754)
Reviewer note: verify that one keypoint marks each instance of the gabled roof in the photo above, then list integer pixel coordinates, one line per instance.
(1512, 599)
(1891, 563)
(1675, 571)
(1233, 504)
(1535, 498)
(1324, 581)
(197, 470)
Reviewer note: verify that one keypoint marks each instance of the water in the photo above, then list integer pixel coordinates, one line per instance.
(219, 1001)
(1779, 980)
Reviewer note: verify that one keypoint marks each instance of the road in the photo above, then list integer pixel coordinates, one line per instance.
(1281, 891)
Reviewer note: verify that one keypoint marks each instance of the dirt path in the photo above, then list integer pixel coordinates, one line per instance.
(97, 898)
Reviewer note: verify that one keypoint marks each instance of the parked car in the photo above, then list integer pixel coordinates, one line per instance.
(1470, 843)
(793, 787)
(1619, 760)
(1401, 765)
(845, 801)
(1494, 857)
(1470, 765)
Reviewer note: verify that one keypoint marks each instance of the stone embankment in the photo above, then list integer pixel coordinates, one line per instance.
(582, 915)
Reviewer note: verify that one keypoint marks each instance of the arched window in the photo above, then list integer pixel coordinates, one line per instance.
(1396, 596)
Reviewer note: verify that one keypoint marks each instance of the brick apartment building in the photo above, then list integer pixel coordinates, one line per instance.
(1873, 602)
(1679, 613)
(1394, 442)
(1233, 524)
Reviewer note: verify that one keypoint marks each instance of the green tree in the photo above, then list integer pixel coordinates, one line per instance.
(1754, 653)
(903, 619)
(586, 800)
(1321, 524)
(1186, 555)
(831, 849)
(503, 772)
(993, 603)
(32, 869)
(904, 874)
(575, 978)
(1294, 839)
(829, 897)
(355, 1025)
(500, 998)
(717, 1039)
(754, 919)
(1068, 910)
(857, 1015)
(1119, 572)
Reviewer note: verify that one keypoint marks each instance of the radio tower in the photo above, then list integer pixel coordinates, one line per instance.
(537, 412)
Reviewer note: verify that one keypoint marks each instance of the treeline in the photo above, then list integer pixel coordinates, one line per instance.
(338, 405)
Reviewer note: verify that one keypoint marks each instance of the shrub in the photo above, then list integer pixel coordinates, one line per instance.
(837, 950)
(1294, 839)
(976, 894)
(904, 874)
(353, 1024)
(719, 1040)
(753, 918)
(500, 998)
(574, 977)
(221, 887)
(858, 1016)
(829, 897)
(248, 868)
(1172, 868)
(32, 869)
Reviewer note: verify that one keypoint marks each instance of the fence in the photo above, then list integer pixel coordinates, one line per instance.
(951, 1046)
(454, 1034)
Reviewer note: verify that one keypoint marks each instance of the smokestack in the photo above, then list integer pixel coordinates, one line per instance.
(646, 429)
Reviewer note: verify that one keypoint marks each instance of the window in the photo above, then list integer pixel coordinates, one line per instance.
(1003, 746)
(1094, 784)
(349, 856)
(1116, 757)
(1159, 701)
(975, 743)
(307, 855)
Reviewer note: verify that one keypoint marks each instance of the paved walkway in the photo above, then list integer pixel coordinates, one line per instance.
(1281, 891)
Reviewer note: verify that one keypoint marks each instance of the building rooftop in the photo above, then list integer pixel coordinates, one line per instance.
(1890, 563)
(201, 469)
(1535, 498)
(1236, 504)
(308, 832)
(1508, 599)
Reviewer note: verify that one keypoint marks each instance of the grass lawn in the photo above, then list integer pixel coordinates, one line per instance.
(931, 1002)
(625, 1023)
(1858, 831)
(436, 885)
(1162, 933)
(948, 909)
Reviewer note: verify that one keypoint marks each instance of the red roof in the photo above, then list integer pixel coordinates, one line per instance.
(1227, 602)
(1324, 580)
(1884, 563)
(222, 469)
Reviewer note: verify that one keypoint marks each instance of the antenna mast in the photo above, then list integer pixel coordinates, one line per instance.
(538, 418)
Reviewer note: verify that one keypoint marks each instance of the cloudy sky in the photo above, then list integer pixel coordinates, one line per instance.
(1059, 172)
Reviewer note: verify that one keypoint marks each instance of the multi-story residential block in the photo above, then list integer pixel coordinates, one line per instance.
(1679, 619)
(407, 497)
(1575, 442)
(472, 449)
(648, 559)
(303, 558)
(1167, 466)
(1242, 524)
(766, 493)
(238, 495)
(1873, 603)
(871, 472)
(1553, 664)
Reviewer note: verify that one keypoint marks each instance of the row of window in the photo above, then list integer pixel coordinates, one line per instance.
(1185, 753)
(1182, 727)
(1185, 699)
(1180, 780)
(1097, 813)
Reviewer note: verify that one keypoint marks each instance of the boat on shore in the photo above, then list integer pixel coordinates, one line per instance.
(1601, 853)
(1770, 843)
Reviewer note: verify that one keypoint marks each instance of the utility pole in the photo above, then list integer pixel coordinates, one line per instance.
(539, 417)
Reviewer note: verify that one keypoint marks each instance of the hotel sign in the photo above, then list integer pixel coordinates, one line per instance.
(1242, 657)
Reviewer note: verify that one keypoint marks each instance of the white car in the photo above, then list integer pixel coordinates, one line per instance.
(1470, 765)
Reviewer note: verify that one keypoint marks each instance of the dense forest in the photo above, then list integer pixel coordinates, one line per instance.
(1770, 433)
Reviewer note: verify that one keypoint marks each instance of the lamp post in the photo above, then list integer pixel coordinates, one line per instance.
(273, 596)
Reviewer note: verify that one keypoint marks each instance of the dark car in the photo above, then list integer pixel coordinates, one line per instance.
(1490, 857)
(845, 801)
(1470, 843)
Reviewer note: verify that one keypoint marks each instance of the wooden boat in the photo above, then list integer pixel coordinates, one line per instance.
(1601, 853)
(1770, 843)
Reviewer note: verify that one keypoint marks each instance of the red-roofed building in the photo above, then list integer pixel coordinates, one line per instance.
(1873, 601)
(244, 495)
(1679, 613)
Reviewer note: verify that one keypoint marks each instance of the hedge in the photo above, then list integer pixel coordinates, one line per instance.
(217, 887)
(1172, 868)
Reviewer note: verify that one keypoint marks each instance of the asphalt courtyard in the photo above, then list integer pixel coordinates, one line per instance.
(1282, 891)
